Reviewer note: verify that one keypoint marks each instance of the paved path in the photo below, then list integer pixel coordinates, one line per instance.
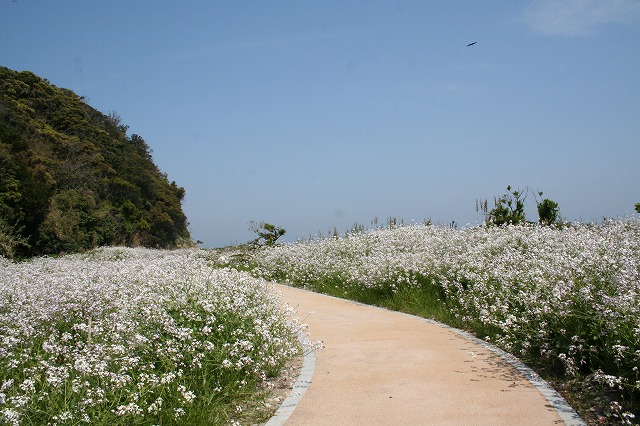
(380, 367)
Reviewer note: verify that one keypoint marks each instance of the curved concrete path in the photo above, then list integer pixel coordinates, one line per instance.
(381, 367)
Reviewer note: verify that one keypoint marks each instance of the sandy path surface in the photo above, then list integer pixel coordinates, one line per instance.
(380, 367)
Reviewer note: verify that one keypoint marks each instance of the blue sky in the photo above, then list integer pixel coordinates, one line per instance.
(315, 114)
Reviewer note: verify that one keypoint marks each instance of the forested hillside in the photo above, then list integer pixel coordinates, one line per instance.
(71, 179)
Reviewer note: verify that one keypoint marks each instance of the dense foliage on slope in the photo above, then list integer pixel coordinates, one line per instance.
(71, 179)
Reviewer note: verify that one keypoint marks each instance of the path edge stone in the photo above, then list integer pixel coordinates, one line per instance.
(303, 381)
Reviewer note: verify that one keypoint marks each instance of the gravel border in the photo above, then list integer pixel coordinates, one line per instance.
(299, 388)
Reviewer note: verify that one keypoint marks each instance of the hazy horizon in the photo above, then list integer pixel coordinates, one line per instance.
(311, 115)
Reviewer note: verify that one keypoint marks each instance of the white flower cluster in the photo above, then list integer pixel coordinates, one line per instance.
(569, 294)
(131, 333)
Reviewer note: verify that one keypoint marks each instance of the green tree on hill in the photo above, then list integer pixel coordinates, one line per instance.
(71, 179)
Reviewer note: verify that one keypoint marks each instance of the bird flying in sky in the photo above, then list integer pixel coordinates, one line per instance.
(471, 44)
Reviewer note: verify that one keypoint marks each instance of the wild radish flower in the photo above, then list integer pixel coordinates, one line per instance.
(130, 408)
(155, 407)
(136, 326)
(570, 295)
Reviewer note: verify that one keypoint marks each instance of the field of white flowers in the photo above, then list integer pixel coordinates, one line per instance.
(566, 298)
(134, 336)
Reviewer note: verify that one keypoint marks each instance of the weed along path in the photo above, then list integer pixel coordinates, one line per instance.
(380, 367)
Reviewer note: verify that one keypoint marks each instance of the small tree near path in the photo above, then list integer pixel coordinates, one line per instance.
(509, 209)
(548, 211)
(267, 233)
